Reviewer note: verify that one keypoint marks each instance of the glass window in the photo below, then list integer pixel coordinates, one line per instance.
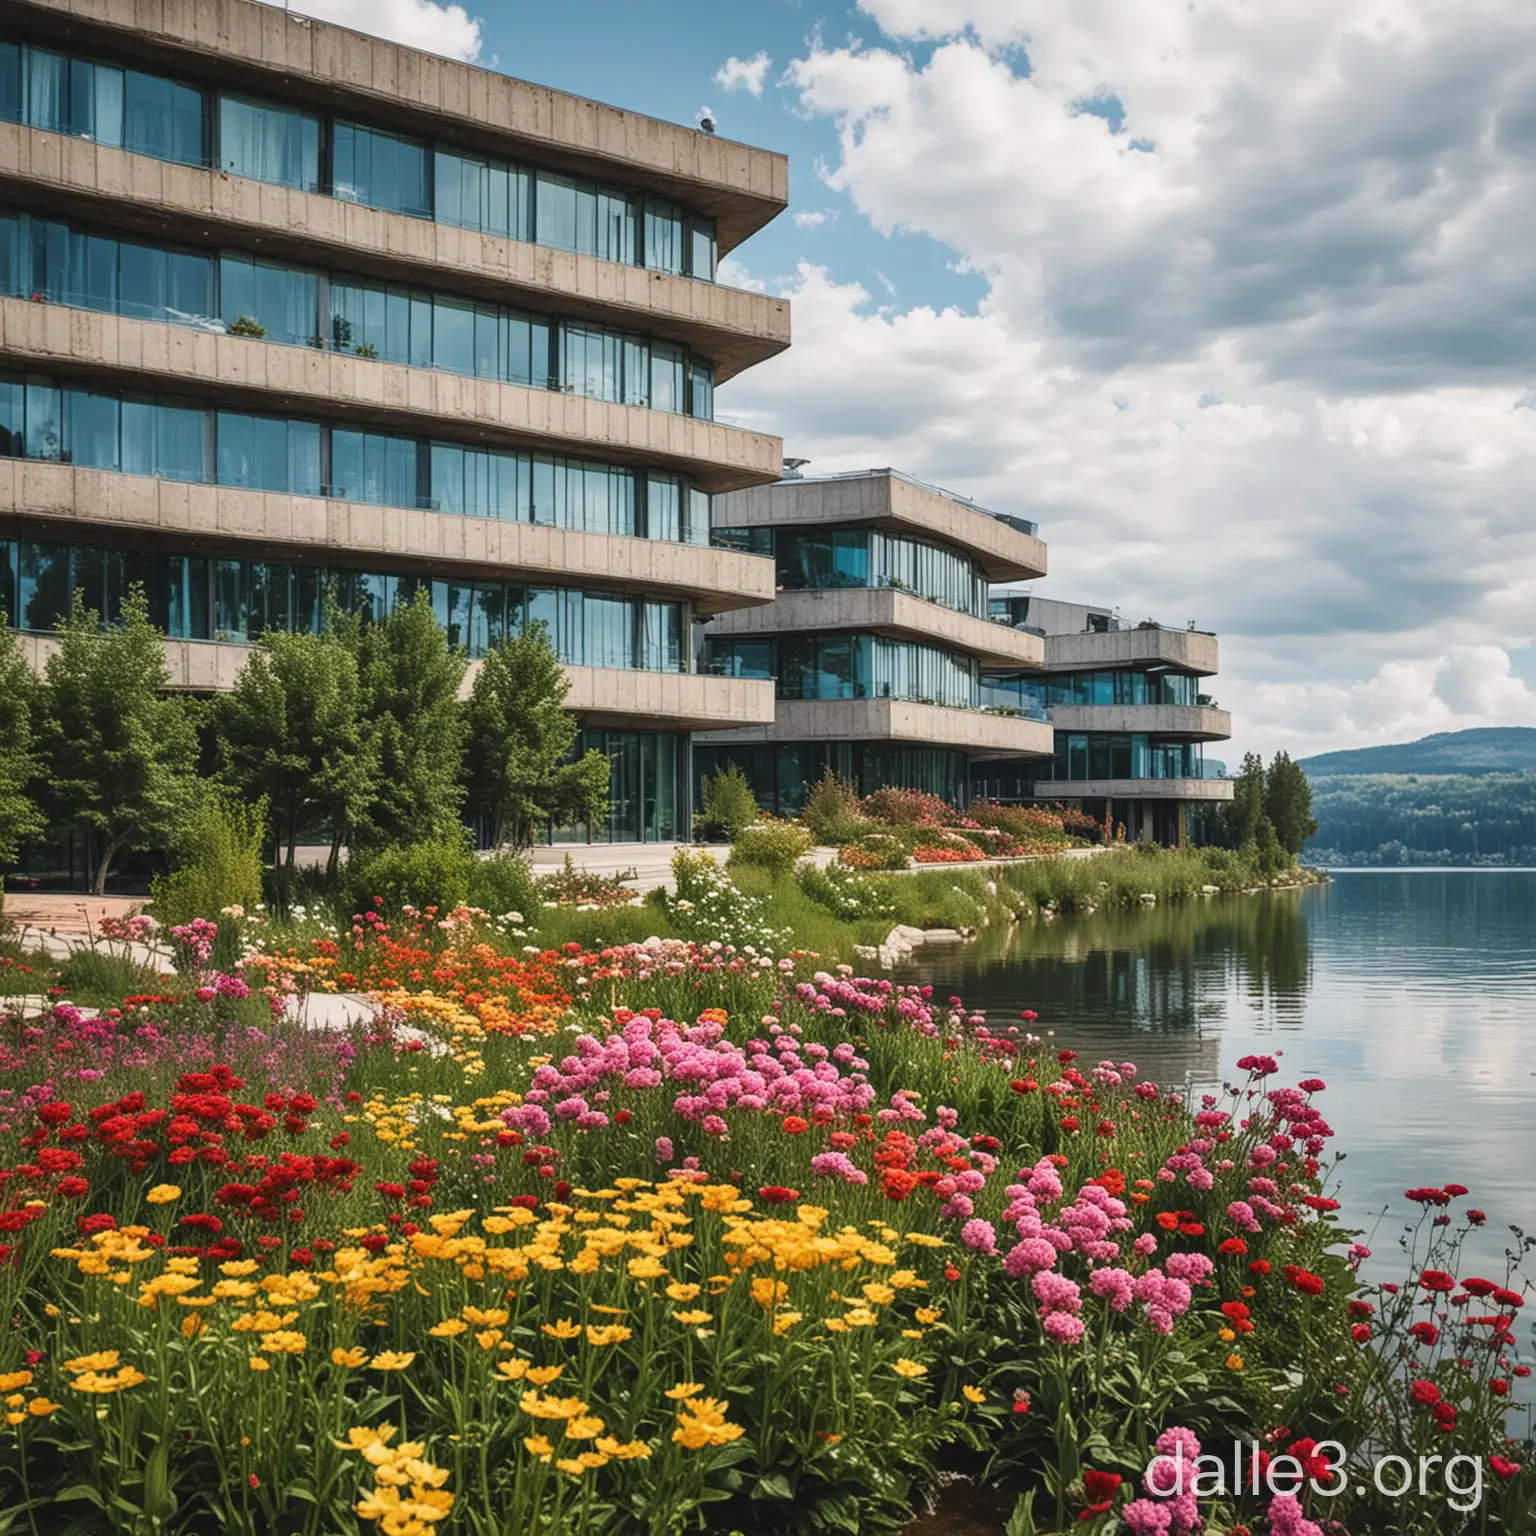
(13, 265)
(565, 213)
(170, 441)
(592, 362)
(267, 143)
(374, 467)
(44, 424)
(162, 118)
(698, 530)
(479, 193)
(13, 417)
(96, 101)
(10, 81)
(43, 585)
(45, 89)
(453, 336)
(282, 300)
(269, 453)
(663, 236)
(187, 597)
(383, 170)
(92, 431)
(701, 248)
(666, 377)
(615, 227)
(663, 507)
(701, 392)
(158, 284)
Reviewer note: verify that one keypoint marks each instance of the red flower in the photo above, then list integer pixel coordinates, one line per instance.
(55, 1113)
(1426, 1333)
(1360, 1333)
(794, 1125)
(1503, 1468)
(1477, 1218)
(1234, 1245)
(1304, 1280)
(1260, 1266)
(1499, 1387)
(1437, 1280)
(777, 1194)
(1476, 1287)
(951, 1274)
(72, 1188)
(1023, 1085)
(1456, 1191)
(1425, 1393)
(1428, 1197)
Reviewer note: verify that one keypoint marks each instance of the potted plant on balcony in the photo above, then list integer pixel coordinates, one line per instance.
(247, 325)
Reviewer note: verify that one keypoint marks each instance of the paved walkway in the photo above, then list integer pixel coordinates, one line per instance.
(65, 912)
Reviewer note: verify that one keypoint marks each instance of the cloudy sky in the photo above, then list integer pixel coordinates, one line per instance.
(1238, 300)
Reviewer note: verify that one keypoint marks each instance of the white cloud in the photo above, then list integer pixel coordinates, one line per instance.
(444, 29)
(1313, 222)
(809, 218)
(748, 75)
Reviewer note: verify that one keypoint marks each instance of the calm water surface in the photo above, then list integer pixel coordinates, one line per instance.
(1411, 993)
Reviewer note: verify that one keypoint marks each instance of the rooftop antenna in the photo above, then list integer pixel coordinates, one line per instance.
(792, 468)
(706, 120)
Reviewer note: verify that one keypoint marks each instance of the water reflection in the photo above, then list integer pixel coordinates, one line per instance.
(1412, 993)
(1154, 983)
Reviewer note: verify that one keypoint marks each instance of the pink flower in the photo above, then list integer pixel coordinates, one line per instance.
(979, 1235)
(1145, 1518)
(1063, 1327)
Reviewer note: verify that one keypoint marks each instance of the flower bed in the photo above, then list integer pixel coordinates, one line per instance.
(608, 1238)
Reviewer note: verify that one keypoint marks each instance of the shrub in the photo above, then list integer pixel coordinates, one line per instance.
(436, 872)
(831, 811)
(776, 845)
(907, 807)
(572, 887)
(222, 865)
(502, 884)
(846, 894)
(875, 850)
(729, 804)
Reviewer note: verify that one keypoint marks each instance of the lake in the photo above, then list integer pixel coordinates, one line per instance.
(1411, 993)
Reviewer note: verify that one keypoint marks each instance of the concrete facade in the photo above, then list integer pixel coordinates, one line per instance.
(1184, 650)
(1134, 789)
(279, 53)
(974, 732)
(884, 498)
(246, 373)
(76, 178)
(290, 61)
(884, 611)
(1195, 722)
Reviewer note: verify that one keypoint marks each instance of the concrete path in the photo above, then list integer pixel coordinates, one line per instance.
(66, 912)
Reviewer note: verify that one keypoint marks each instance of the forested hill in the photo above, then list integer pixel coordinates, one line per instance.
(1417, 818)
(1499, 749)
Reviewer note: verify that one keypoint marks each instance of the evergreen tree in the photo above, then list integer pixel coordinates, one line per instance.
(293, 733)
(520, 738)
(19, 816)
(1288, 803)
(119, 755)
(1240, 817)
(410, 681)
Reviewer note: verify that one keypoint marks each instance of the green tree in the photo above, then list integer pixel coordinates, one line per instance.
(1242, 814)
(519, 742)
(293, 733)
(19, 816)
(1288, 803)
(119, 755)
(410, 681)
(729, 804)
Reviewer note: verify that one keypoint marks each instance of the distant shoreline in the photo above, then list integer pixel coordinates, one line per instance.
(1426, 869)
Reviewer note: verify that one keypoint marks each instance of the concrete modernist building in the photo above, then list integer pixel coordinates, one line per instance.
(285, 309)
(1130, 717)
(878, 638)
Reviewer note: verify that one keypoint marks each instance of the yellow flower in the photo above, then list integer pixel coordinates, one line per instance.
(390, 1360)
(14, 1379)
(163, 1194)
(766, 1291)
(973, 1394)
(1226, 1335)
(677, 1291)
(538, 1445)
(191, 1325)
(448, 1328)
(925, 1240)
(102, 1360)
(684, 1390)
(361, 1437)
(928, 1315)
(349, 1358)
(586, 1427)
(564, 1329)
(542, 1375)
(236, 1268)
(879, 1295)
(646, 1268)
(1234, 1362)
(41, 1407)
(537, 1407)
(610, 1333)
(284, 1342)
(836, 1325)
(784, 1321)
(631, 1450)
(908, 1368)
(693, 1318)
(489, 1338)
(570, 1465)
(493, 1317)
(260, 1363)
